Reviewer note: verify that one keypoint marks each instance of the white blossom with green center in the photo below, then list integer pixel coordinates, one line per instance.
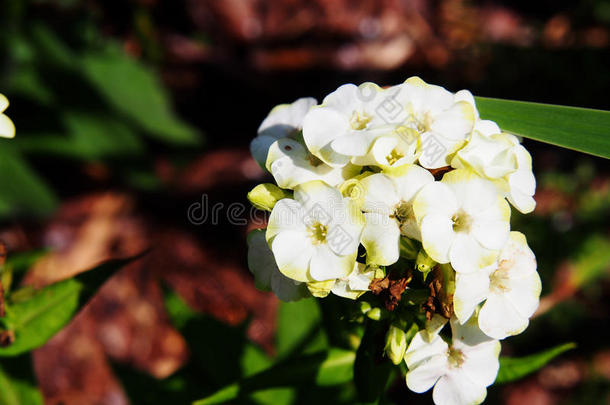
(387, 198)
(460, 372)
(500, 157)
(509, 290)
(315, 236)
(442, 120)
(463, 220)
(346, 124)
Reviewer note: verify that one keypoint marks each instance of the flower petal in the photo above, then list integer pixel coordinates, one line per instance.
(468, 256)
(287, 215)
(524, 294)
(7, 128)
(326, 265)
(437, 236)
(435, 198)
(381, 239)
(470, 291)
(286, 118)
(481, 362)
(379, 194)
(426, 373)
(293, 263)
(409, 180)
(457, 389)
(499, 318)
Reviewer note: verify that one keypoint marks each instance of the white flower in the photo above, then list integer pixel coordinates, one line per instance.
(492, 156)
(394, 150)
(500, 157)
(510, 289)
(514, 291)
(463, 220)
(7, 128)
(266, 274)
(284, 120)
(522, 183)
(443, 120)
(356, 284)
(346, 123)
(292, 164)
(315, 237)
(460, 372)
(387, 205)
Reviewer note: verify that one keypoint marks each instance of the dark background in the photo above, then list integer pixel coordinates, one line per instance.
(127, 113)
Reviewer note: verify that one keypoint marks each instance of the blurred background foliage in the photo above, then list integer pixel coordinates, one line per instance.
(128, 112)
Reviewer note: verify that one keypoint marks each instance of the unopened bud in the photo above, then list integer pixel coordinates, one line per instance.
(374, 314)
(396, 344)
(264, 196)
(365, 307)
(424, 263)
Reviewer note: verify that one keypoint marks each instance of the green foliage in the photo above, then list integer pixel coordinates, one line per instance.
(332, 367)
(22, 189)
(34, 316)
(92, 103)
(18, 389)
(298, 327)
(581, 129)
(133, 90)
(514, 368)
(371, 369)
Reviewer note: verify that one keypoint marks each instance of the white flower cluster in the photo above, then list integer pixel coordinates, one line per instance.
(369, 169)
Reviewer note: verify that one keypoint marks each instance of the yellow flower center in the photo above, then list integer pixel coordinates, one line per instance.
(423, 122)
(317, 233)
(404, 212)
(456, 357)
(394, 156)
(461, 221)
(359, 120)
(499, 281)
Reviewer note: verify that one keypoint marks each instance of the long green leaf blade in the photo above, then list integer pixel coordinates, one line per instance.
(584, 130)
(38, 318)
(514, 368)
(324, 369)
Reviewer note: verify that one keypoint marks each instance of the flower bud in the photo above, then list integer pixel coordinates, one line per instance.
(365, 307)
(396, 344)
(264, 196)
(424, 263)
(374, 314)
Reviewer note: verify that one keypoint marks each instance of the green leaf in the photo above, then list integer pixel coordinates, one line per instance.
(135, 91)
(514, 368)
(90, 136)
(332, 367)
(298, 324)
(17, 391)
(254, 360)
(372, 369)
(36, 319)
(581, 129)
(21, 190)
